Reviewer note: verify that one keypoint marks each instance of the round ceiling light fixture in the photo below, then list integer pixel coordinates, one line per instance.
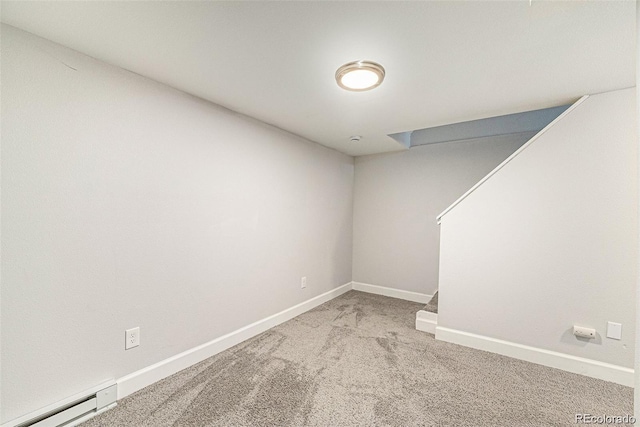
(358, 76)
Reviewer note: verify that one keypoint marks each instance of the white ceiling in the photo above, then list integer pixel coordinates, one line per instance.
(446, 62)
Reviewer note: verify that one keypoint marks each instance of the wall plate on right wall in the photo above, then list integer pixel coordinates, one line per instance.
(614, 330)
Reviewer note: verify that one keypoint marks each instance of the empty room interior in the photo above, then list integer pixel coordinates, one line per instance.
(319, 213)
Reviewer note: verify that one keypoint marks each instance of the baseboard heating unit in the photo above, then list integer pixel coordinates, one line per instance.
(73, 410)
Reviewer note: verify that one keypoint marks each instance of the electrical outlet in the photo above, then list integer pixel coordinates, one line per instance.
(303, 282)
(132, 338)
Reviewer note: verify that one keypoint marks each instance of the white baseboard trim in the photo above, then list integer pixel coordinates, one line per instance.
(426, 321)
(156, 372)
(577, 365)
(391, 292)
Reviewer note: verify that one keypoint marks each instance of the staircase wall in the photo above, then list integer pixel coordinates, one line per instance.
(397, 197)
(550, 241)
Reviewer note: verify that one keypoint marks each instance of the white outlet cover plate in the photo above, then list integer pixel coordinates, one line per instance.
(614, 330)
(132, 338)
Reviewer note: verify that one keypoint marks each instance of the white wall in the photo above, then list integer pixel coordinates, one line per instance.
(637, 362)
(550, 240)
(127, 203)
(397, 199)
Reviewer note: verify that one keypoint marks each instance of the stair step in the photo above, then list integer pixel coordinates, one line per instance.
(426, 321)
(432, 305)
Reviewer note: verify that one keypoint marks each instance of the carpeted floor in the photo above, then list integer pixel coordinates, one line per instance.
(358, 361)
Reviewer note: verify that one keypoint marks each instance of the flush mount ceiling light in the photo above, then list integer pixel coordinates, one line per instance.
(359, 76)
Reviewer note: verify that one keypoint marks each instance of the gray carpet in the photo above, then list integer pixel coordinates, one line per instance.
(358, 361)
(432, 305)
